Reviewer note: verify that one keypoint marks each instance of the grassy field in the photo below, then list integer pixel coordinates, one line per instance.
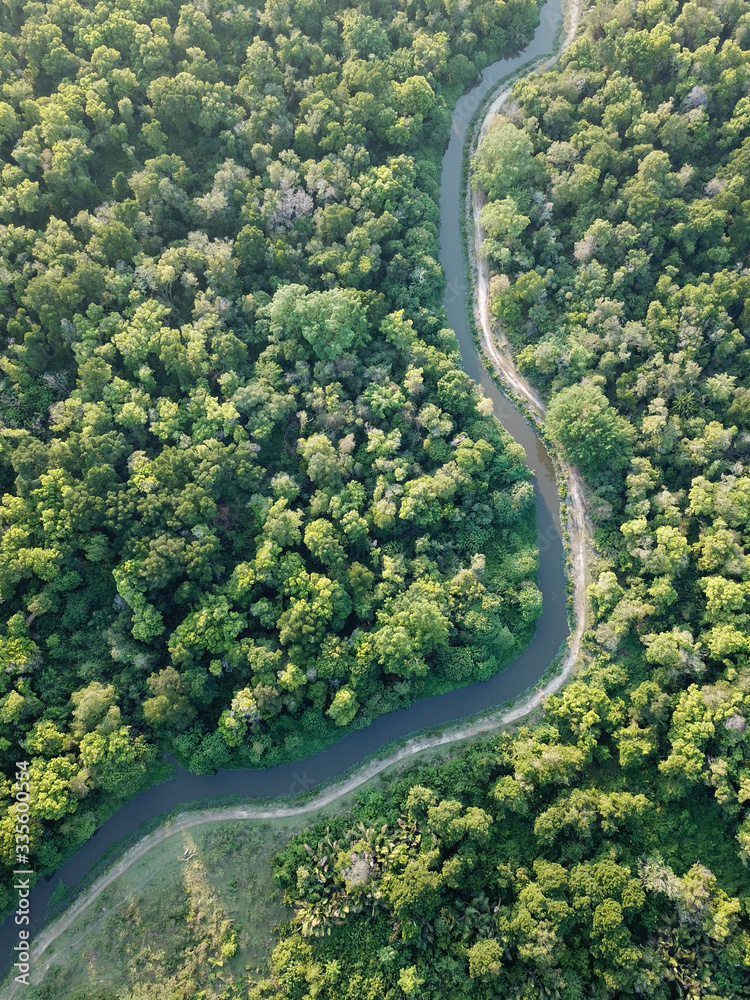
(200, 907)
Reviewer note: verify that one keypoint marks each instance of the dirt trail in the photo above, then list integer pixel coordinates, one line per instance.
(497, 351)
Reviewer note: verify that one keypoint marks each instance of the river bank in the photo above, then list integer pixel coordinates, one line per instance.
(522, 675)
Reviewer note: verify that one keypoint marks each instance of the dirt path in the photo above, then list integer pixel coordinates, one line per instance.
(497, 351)
(47, 937)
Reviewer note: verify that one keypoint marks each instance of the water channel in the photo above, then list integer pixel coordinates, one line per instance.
(552, 628)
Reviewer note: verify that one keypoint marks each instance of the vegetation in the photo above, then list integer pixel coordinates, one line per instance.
(603, 853)
(199, 907)
(531, 866)
(249, 499)
(626, 297)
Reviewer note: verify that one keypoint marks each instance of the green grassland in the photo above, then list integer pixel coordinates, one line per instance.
(201, 905)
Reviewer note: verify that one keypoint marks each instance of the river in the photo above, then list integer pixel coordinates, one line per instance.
(552, 627)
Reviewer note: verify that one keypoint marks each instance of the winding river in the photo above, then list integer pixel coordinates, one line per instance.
(524, 672)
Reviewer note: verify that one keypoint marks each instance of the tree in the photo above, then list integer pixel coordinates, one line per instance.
(409, 980)
(331, 322)
(503, 161)
(95, 708)
(118, 761)
(674, 649)
(169, 706)
(412, 627)
(589, 430)
(344, 706)
(485, 959)
(504, 224)
(211, 629)
(322, 541)
(52, 792)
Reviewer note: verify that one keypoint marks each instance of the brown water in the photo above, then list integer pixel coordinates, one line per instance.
(552, 627)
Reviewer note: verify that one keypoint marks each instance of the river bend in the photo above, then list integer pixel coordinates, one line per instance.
(524, 672)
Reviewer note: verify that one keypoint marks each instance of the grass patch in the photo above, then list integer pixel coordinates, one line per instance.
(198, 909)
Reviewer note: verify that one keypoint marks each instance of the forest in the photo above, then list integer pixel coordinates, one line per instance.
(249, 498)
(602, 853)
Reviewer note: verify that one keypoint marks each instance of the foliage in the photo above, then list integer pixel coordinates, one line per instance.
(459, 885)
(248, 497)
(635, 324)
(615, 835)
